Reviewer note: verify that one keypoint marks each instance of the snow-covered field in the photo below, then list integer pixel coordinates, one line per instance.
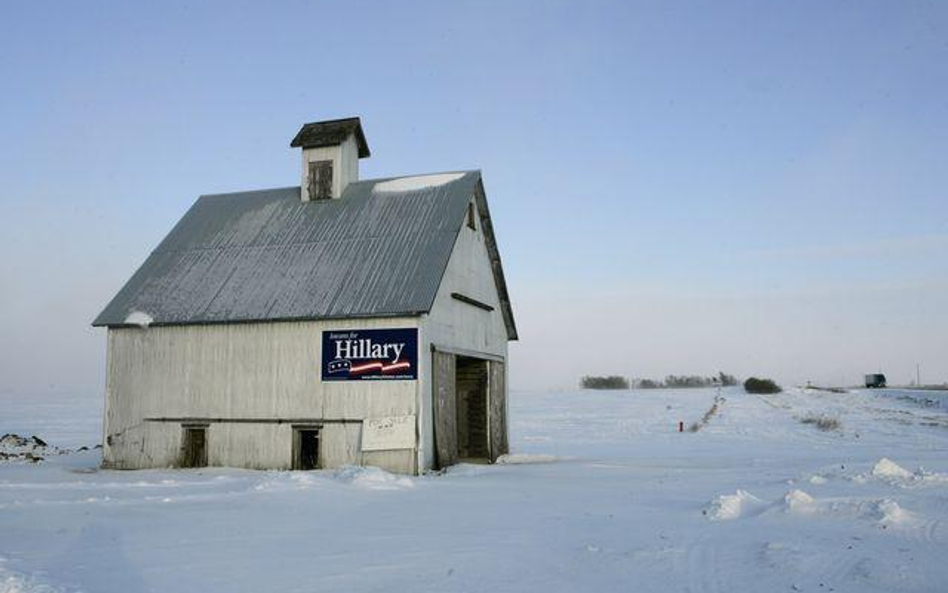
(602, 494)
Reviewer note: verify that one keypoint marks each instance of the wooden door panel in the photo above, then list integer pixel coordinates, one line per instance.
(445, 408)
(498, 410)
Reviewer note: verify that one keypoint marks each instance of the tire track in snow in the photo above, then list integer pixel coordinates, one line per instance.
(705, 567)
(932, 531)
(699, 559)
(805, 567)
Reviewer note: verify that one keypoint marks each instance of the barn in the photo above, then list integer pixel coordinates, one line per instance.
(338, 322)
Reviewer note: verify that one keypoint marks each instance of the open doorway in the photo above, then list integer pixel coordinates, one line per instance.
(306, 448)
(471, 390)
(194, 446)
(469, 408)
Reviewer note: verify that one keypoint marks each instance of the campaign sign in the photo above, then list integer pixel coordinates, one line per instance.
(370, 354)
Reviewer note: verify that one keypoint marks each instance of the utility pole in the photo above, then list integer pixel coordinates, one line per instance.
(918, 381)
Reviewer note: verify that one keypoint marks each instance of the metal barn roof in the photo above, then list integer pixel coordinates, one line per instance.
(379, 250)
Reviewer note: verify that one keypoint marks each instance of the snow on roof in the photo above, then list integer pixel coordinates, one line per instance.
(416, 182)
(139, 318)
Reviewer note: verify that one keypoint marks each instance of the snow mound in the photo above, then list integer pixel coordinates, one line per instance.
(372, 478)
(19, 448)
(12, 441)
(931, 477)
(522, 458)
(817, 479)
(464, 470)
(890, 513)
(888, 471)
(732, 506)
(139, 318)
(288, 481)
(798, 502)
(416, 182)
(885, 512)
(886, 468)
(365, 478)
(13, 582)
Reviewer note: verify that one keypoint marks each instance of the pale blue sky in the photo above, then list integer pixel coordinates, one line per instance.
(757, 187)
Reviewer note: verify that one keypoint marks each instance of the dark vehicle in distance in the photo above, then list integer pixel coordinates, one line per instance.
(875, 380)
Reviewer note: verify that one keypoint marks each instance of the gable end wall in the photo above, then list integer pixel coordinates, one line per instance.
(453, 324)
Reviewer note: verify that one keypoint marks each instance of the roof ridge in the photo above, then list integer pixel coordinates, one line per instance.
(372, 180)
(249, 191)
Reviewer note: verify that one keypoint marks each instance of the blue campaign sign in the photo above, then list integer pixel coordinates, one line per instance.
(370, 354)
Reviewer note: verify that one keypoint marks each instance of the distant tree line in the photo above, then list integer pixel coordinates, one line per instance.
(609, 382)
(687, 381)
(752, 385)
(755, 385)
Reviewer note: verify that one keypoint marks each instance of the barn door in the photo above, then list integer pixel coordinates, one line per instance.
(445, 408)
(498, 410)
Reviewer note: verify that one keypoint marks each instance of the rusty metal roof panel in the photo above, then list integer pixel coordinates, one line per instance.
(379, 250)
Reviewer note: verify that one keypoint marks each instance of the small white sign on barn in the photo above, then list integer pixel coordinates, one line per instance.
(391, 432)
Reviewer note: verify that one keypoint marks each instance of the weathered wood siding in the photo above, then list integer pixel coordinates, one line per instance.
(445, 409)
(456, 325)
(497, 381)
(251, 371)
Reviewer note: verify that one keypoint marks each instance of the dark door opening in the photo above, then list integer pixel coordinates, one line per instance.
(307, 456)
(194, 447)
(472, 415)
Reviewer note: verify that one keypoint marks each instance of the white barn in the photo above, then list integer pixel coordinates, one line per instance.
(338, 322)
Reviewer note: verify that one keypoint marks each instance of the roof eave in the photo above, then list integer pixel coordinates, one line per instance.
(495, 262)
(97, 323)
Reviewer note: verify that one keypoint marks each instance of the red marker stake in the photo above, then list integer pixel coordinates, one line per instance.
(681, 426)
